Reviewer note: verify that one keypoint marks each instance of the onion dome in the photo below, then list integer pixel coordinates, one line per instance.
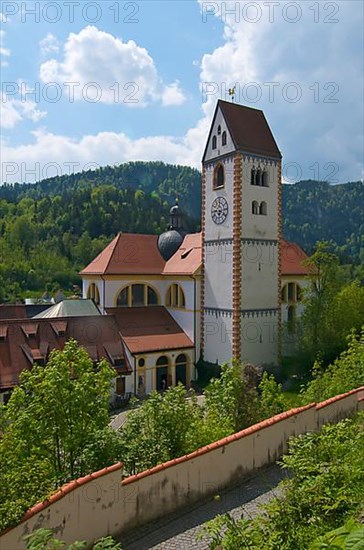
(170, 241)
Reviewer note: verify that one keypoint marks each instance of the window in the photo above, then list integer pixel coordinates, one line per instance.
(291, 293)
(214, 142)
(258, 177)
(122, 300)
(151, 297)
(181, 369)
(218, 130)
(176, 297)
(219, 177)
(162, 378)
(252, 176)
(141, 362)
(120, 385)
(284, 294)
(137, 295)
(263, 208)
(93, 293)
(255, 207)
(265, 179)
(223, 139)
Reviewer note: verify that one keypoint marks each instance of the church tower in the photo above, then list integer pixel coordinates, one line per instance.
(241, 232)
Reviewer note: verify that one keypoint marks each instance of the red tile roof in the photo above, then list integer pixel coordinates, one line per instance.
(134, 254)
(248, 128)
(187, 259)
(23, 343)
(292, 257)
(147, 329)
(128, 253)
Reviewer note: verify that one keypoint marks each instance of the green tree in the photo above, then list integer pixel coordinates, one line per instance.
(271, 398)
(165, 426)
(232, 399)
(344, 374)
(324, 284)
(50, 426)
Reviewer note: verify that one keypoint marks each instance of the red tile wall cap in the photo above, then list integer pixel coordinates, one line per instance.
(219, 444)
(336, 398)
(63, 491)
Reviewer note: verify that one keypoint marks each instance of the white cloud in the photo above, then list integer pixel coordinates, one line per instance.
(13, 111)
(51, 154)
(49, 44)
(173, 95)
(4, 52)
(307, 132)
(113, 71)
(325, 124)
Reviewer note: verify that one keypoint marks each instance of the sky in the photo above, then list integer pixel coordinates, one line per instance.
(86, 84)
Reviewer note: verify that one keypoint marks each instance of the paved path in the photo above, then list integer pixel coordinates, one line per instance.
(179, 530)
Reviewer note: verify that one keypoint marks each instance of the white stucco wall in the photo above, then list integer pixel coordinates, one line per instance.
(221, 149)
(217, 339)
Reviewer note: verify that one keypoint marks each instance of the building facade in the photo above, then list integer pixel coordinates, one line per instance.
(171, 300)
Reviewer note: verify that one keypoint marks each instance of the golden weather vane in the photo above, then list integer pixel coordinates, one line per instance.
(232, 93)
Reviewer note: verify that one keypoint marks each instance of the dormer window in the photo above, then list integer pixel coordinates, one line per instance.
(214, 142)
(223, 139)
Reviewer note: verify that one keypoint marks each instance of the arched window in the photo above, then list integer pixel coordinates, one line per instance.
(218, 130)
(265, 179)
(224, 138)
(181, 369)
(291, 293)
(137, 295)
(162, 379)
(219, 177)
(176, 297)
(258, 178)
(284, 294)
(263, 208)
(255, 207)
(93, 293)
(123, 298)
(214, 142)
(291, 319)
(253, 174)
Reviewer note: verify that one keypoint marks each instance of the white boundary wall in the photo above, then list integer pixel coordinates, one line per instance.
(100, 504)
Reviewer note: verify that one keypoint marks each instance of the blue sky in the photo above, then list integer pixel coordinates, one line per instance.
(140, 80)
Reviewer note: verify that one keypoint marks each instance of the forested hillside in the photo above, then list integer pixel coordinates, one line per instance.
(51, 229)
(314, 210)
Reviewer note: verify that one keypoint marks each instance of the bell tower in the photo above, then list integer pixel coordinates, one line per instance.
(241, 234)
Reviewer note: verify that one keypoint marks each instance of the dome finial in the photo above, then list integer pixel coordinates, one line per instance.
(176, 217)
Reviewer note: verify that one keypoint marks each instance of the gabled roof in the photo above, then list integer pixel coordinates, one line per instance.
(248, 128)
(128, 253)
(133, 254)
(147, 329)
(292, 257)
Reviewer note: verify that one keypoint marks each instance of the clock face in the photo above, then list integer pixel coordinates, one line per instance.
(219, 210)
